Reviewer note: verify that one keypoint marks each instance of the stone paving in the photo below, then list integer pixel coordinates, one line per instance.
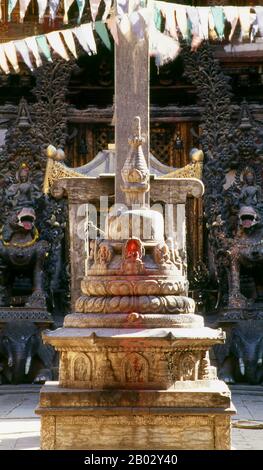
(20, 427)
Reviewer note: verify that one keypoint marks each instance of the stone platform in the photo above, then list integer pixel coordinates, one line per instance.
(185, 416)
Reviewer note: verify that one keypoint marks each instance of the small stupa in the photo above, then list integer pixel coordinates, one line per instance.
(134, 358)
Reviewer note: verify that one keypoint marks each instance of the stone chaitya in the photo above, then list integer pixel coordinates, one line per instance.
(134, 356)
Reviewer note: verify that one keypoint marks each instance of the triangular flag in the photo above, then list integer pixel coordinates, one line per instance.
(81, 5)
(211, 27)
(0, 11)
(125, 26)
(203, 18)
(94, 8)
(137, 24)
(87, 31)
(57, 45)
(157, 18)
(112, 25)
(10, 52)
(259, 12)
(193, 15)
(82, 39)
(53, 8)
(69, 40)
(168, 11)
(11, 6)
(103, 33)
(245, 22)
(181, 20)
(23, 4)
(122, 7)
(107, 9)
(42, 6)
(44, 47)
(219, 20)
(32, 46)
(231, 14)
(163, 47)
(3, 61)
(67, 5)
(22, 48)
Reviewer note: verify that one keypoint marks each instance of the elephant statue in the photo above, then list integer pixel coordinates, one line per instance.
(23, 356)
(240, 359)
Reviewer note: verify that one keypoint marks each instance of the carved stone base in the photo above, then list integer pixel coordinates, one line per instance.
(187, 417)
(152, 359)
(248, 313)
(40, 316)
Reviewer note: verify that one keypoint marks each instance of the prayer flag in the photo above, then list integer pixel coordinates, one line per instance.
(57, 45)
(22, 48)
(69, 40)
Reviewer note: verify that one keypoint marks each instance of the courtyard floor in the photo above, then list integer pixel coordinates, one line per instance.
(20, 427)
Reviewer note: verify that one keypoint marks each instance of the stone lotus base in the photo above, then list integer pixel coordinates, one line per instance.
(189, 416)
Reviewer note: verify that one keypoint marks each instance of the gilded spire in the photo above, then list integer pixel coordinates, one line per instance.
(135, 172)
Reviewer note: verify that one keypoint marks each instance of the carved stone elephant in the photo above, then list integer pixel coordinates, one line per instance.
(23, 356)
(240, 359)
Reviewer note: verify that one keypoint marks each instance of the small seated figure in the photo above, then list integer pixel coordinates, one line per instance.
(251, 193)
(132, 257)
(23, 193)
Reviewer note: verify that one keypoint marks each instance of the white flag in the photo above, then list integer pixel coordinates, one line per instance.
(232, 17)
(125, 26)
(23, 4)
(3, 61)
(82, 39)
(33, 47)
(168, 11)
(203, 18)
(181, 19)
(42, 6)
(259, 12)
(22, 48)
(107, 9)
(245, 22)
(10, 52)
(163, 47)
(69, 40)
(94, 8)
(67, 5)
(56, 43)
(53, 8)
(87, 31)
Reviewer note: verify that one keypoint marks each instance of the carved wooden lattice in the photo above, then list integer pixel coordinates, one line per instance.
(89, 139)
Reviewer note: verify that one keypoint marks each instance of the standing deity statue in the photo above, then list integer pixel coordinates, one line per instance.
(251, 193)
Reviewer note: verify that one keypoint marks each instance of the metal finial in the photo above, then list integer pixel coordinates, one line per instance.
(135, 172)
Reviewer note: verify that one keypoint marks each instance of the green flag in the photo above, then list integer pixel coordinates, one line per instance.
(44, 47)
(103, 33)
